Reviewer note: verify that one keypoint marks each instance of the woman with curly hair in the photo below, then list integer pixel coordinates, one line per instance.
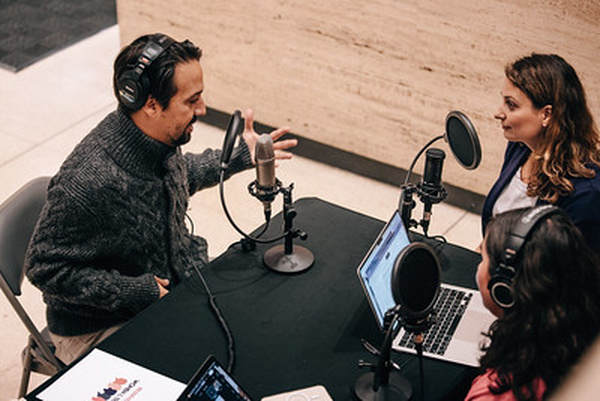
(542, 281)
(552, 155)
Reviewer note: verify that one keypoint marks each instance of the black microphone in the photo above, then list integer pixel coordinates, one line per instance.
(430, 188)
(234, 129)
(266, 182)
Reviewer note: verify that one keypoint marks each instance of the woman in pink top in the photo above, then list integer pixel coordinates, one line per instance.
(538, 276)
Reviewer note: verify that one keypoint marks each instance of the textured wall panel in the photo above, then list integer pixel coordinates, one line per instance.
(378, 77)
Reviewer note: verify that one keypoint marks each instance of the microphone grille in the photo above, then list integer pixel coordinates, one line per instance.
(264, 147)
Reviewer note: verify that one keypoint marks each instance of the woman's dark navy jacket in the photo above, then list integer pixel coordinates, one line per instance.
(582, 205)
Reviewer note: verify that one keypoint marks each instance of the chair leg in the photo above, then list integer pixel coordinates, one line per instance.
(27, 361)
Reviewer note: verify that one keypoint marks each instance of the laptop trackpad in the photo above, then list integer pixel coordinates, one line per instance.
(472, 325)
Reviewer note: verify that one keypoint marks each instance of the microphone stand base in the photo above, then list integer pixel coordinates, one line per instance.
(298, 261)
(397, 389)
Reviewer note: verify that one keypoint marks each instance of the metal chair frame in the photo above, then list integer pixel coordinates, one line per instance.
(18, 217)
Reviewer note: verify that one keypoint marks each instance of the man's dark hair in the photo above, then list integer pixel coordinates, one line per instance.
(162, 70)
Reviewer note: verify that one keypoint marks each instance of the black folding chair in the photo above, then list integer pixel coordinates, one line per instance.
(18, 217)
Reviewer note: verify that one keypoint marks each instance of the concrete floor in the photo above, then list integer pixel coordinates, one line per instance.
(48, 107)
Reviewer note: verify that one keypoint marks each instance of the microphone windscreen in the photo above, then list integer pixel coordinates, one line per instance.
(416, 280)
(463, 140)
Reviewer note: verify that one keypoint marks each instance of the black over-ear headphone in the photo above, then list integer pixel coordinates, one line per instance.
(501, 280)
(133, 85)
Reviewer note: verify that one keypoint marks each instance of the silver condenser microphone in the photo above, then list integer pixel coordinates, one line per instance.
(266, 182)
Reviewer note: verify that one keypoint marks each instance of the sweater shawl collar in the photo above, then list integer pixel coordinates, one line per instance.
(130, 147)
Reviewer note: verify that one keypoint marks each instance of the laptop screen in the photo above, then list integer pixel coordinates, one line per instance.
(212, 382)
(375, 271)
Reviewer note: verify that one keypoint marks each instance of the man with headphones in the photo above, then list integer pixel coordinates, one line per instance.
(112, 237)
(542, 281)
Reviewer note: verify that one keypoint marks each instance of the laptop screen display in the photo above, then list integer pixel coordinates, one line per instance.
(375, 271)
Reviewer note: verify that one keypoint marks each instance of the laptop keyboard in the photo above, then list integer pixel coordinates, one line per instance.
(450, 307)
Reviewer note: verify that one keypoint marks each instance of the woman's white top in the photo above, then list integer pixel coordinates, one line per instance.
(514, 196)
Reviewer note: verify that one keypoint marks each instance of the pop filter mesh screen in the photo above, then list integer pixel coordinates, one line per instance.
(418, 280)
(460, 141)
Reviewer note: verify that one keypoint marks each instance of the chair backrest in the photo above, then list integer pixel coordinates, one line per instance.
(18, 217)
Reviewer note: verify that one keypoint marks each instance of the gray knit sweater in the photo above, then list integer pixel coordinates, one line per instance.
(114, 219)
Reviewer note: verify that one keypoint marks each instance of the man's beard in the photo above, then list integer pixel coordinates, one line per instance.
(185, 135)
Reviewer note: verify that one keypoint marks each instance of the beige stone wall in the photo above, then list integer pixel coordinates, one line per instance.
(375, 77)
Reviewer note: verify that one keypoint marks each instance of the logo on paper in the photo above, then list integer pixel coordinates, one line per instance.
(119, 388)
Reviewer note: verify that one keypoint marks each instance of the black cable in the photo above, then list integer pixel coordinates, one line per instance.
(412, 165)
(239, 230)
(441, 241)
(213, 305)
(217, 312)
(264, 230)
(248, 244)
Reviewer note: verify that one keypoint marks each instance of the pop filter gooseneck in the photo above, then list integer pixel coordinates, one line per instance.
(415, 286)
(235, 129)
(462, 138)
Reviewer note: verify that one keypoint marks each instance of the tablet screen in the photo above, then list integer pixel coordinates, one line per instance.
(212, 382)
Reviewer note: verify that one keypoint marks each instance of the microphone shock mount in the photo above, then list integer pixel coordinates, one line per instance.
(265, 194)
(429, 196)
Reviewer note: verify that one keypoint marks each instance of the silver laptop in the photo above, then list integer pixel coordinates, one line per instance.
(460, 316)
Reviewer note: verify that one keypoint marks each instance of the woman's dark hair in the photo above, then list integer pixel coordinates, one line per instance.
(556, 315)
(162, 70)
(570, 142)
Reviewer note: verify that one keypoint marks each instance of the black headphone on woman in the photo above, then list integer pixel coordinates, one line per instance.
(501, 280)
(133, 85)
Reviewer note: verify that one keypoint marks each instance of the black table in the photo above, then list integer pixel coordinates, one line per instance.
(290, 331)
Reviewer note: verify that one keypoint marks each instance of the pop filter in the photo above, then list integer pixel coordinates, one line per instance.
(415, 286)
(416, 281)
(461, 136)
(234, 129)
(462, 139)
